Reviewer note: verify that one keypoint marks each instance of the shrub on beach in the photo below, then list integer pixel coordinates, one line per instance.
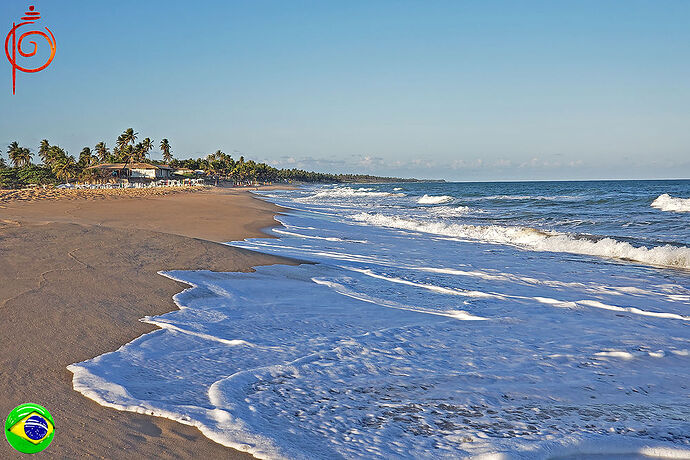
(8, 178)
(27, 175)
(33, 174)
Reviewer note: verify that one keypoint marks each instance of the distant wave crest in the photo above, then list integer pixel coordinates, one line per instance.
(526, 197)
(537, 240)
(431, 199)
(451, 211)
(666, 202)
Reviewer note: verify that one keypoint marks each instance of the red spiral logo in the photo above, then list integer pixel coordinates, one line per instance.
(30, 17)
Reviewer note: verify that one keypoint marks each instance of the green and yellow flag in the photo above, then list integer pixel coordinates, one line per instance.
(29, 428)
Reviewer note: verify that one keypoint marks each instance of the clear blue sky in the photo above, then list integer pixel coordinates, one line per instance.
(441, 89)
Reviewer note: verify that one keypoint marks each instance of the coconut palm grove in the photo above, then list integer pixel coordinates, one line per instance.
(54, 165)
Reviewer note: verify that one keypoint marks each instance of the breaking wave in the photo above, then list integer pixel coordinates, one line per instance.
(537, 240)
(431, 199)
(347, 192)
(666, 202)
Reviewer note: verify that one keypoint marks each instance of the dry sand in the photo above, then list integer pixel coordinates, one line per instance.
(52, 193)
(75, 277)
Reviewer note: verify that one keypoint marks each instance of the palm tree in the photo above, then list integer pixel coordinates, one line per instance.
(19, 156)
(2, 163)
(127, 155)
(126, 138)
(65, 168)
(44, 151)
(139, 154)
(165, 148)
(86, 159)
(116, 157)
(55, 154)
(102, 152)
(26, 156)
(120, 142)
(239, 172)
(129, 136)
(12, 149)
(146, 146)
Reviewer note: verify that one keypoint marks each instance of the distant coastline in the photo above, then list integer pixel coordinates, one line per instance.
(367, 179)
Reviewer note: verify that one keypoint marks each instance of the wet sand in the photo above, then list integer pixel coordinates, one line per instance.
(75, 277)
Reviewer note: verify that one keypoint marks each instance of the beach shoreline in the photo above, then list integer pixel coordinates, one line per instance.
(77, 276)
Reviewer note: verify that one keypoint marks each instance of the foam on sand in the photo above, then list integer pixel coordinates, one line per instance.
(666, 202)
(215, 424)
(537, 240)
(293, 361)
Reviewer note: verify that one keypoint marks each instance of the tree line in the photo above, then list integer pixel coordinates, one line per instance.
(57, 165)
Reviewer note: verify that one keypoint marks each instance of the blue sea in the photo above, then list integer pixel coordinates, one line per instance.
(434, 320)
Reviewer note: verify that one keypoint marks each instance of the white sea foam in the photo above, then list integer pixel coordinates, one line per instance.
(215, 424)
(537, 240)
(667, 292)
(431, 199)
(615, 354)
(666, 202)
(341, 373)
(430, 287)
(313, 237)
(347, 192)
(451, 211)
(403, 342)
(636, 311)
(343, 290)
(612, 449)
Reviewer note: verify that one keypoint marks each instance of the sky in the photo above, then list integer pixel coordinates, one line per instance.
(455, 90)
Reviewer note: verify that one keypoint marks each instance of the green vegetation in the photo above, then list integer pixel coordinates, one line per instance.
(223, 166)
(59, 166)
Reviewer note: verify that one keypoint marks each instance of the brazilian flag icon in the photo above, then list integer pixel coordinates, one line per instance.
(29, 428)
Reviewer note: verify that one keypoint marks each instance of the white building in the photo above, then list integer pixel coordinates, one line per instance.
(149, 171)
(135, 170)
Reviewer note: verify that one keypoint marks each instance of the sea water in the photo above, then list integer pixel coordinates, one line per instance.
(434, 320)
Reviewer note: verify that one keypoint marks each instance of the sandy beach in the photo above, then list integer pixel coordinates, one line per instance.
(77, 273)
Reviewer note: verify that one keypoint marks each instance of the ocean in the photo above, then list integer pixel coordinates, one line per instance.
(434, 320)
